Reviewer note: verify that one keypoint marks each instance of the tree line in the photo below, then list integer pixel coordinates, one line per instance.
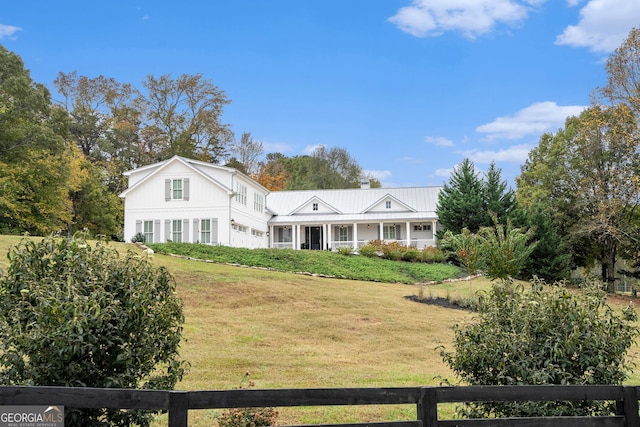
(578, 190)
(61, 162)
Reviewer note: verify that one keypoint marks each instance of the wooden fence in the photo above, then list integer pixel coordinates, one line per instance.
(426, 400)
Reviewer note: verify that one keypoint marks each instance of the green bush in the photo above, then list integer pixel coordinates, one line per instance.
(546, 335)
(344, 250)
(80, 316)
(138, 238)
(431, 254)
(368, 251)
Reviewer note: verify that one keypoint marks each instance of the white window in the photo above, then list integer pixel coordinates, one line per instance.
(284, 234)
(176, 230)
(176, 189)
(343, 234)
(205, 231)
(389, 231)
(148, 231)
(388, 204)
(239, 228)
(241, 193)
(315, 206)
(258, 202)
(257, 233)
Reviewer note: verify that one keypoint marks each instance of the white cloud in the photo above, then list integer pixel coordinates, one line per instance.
(277, 147)
(380, 175)
(446, 173)
(471, 17)
(536, 119)
(514, 154)
(603, 25)
(309, 149)
(8, 31)
(439, 141)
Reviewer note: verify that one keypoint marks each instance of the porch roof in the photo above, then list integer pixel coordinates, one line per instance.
(353, 218)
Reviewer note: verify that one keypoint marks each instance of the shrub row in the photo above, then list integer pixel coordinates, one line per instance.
(396, 252)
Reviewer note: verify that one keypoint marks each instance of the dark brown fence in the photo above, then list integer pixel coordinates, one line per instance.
(426, 399)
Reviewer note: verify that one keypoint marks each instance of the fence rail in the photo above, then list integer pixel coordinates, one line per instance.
(426, 399)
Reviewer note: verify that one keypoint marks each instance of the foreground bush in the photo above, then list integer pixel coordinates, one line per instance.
(546, 335)
(80, 316)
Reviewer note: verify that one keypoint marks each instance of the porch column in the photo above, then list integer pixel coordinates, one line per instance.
(270, 236)
(408, 225)
(327, 236)
(296, 237)
(355, 235)
(433, 230)
(381, 237)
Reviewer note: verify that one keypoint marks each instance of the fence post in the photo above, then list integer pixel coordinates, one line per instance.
(428, 407)
(178, 408)
(630, 396)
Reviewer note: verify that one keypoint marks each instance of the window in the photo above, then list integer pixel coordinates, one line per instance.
(284, 234)
(148, 231)
(176, 189)
(256, 233)
(314, 206)
(388, 204)
(258, 202)
(205, 231)
(389, 232)
(176, 230)
(239, 228)
(422, 227)
(343, 234)
(241, 193)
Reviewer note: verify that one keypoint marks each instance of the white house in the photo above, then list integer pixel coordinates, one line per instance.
(184, 200)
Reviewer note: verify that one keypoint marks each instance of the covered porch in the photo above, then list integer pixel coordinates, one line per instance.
(330, 236)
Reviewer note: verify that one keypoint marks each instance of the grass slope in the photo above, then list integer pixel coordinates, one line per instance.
(317, 262)
(298, 331)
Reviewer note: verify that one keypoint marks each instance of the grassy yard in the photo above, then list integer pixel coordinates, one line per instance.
(299, 331)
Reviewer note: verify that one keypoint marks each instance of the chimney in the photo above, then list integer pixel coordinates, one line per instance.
(365, 184)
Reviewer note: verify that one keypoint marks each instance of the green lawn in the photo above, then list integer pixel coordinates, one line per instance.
(298, 331)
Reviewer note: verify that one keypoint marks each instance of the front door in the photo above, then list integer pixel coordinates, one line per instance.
(314, 238)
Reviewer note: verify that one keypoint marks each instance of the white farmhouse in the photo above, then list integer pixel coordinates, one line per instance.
(184, 200)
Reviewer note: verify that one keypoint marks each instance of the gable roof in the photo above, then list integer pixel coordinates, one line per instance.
(355, 204)
(389, 197)
(314, 199)
(156, 168)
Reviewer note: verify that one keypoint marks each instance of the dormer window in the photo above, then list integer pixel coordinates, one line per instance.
(314, 206)
(388, 204)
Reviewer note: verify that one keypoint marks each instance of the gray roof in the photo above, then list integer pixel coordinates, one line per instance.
(353, 204)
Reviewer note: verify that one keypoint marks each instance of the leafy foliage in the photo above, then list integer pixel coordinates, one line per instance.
(544, 335)
(82, 316)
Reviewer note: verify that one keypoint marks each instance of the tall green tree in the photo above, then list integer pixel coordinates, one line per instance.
(184, 117)
(586, 177)
(623, 74)
(461, 202)
(34, 160)
(499, 198)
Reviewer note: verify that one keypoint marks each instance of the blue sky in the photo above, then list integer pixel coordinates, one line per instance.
(408, 87)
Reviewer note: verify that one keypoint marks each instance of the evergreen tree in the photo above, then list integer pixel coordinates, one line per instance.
(461, 202)
(499, 199)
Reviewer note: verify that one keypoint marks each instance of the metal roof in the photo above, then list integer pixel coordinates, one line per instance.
(354, 204)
